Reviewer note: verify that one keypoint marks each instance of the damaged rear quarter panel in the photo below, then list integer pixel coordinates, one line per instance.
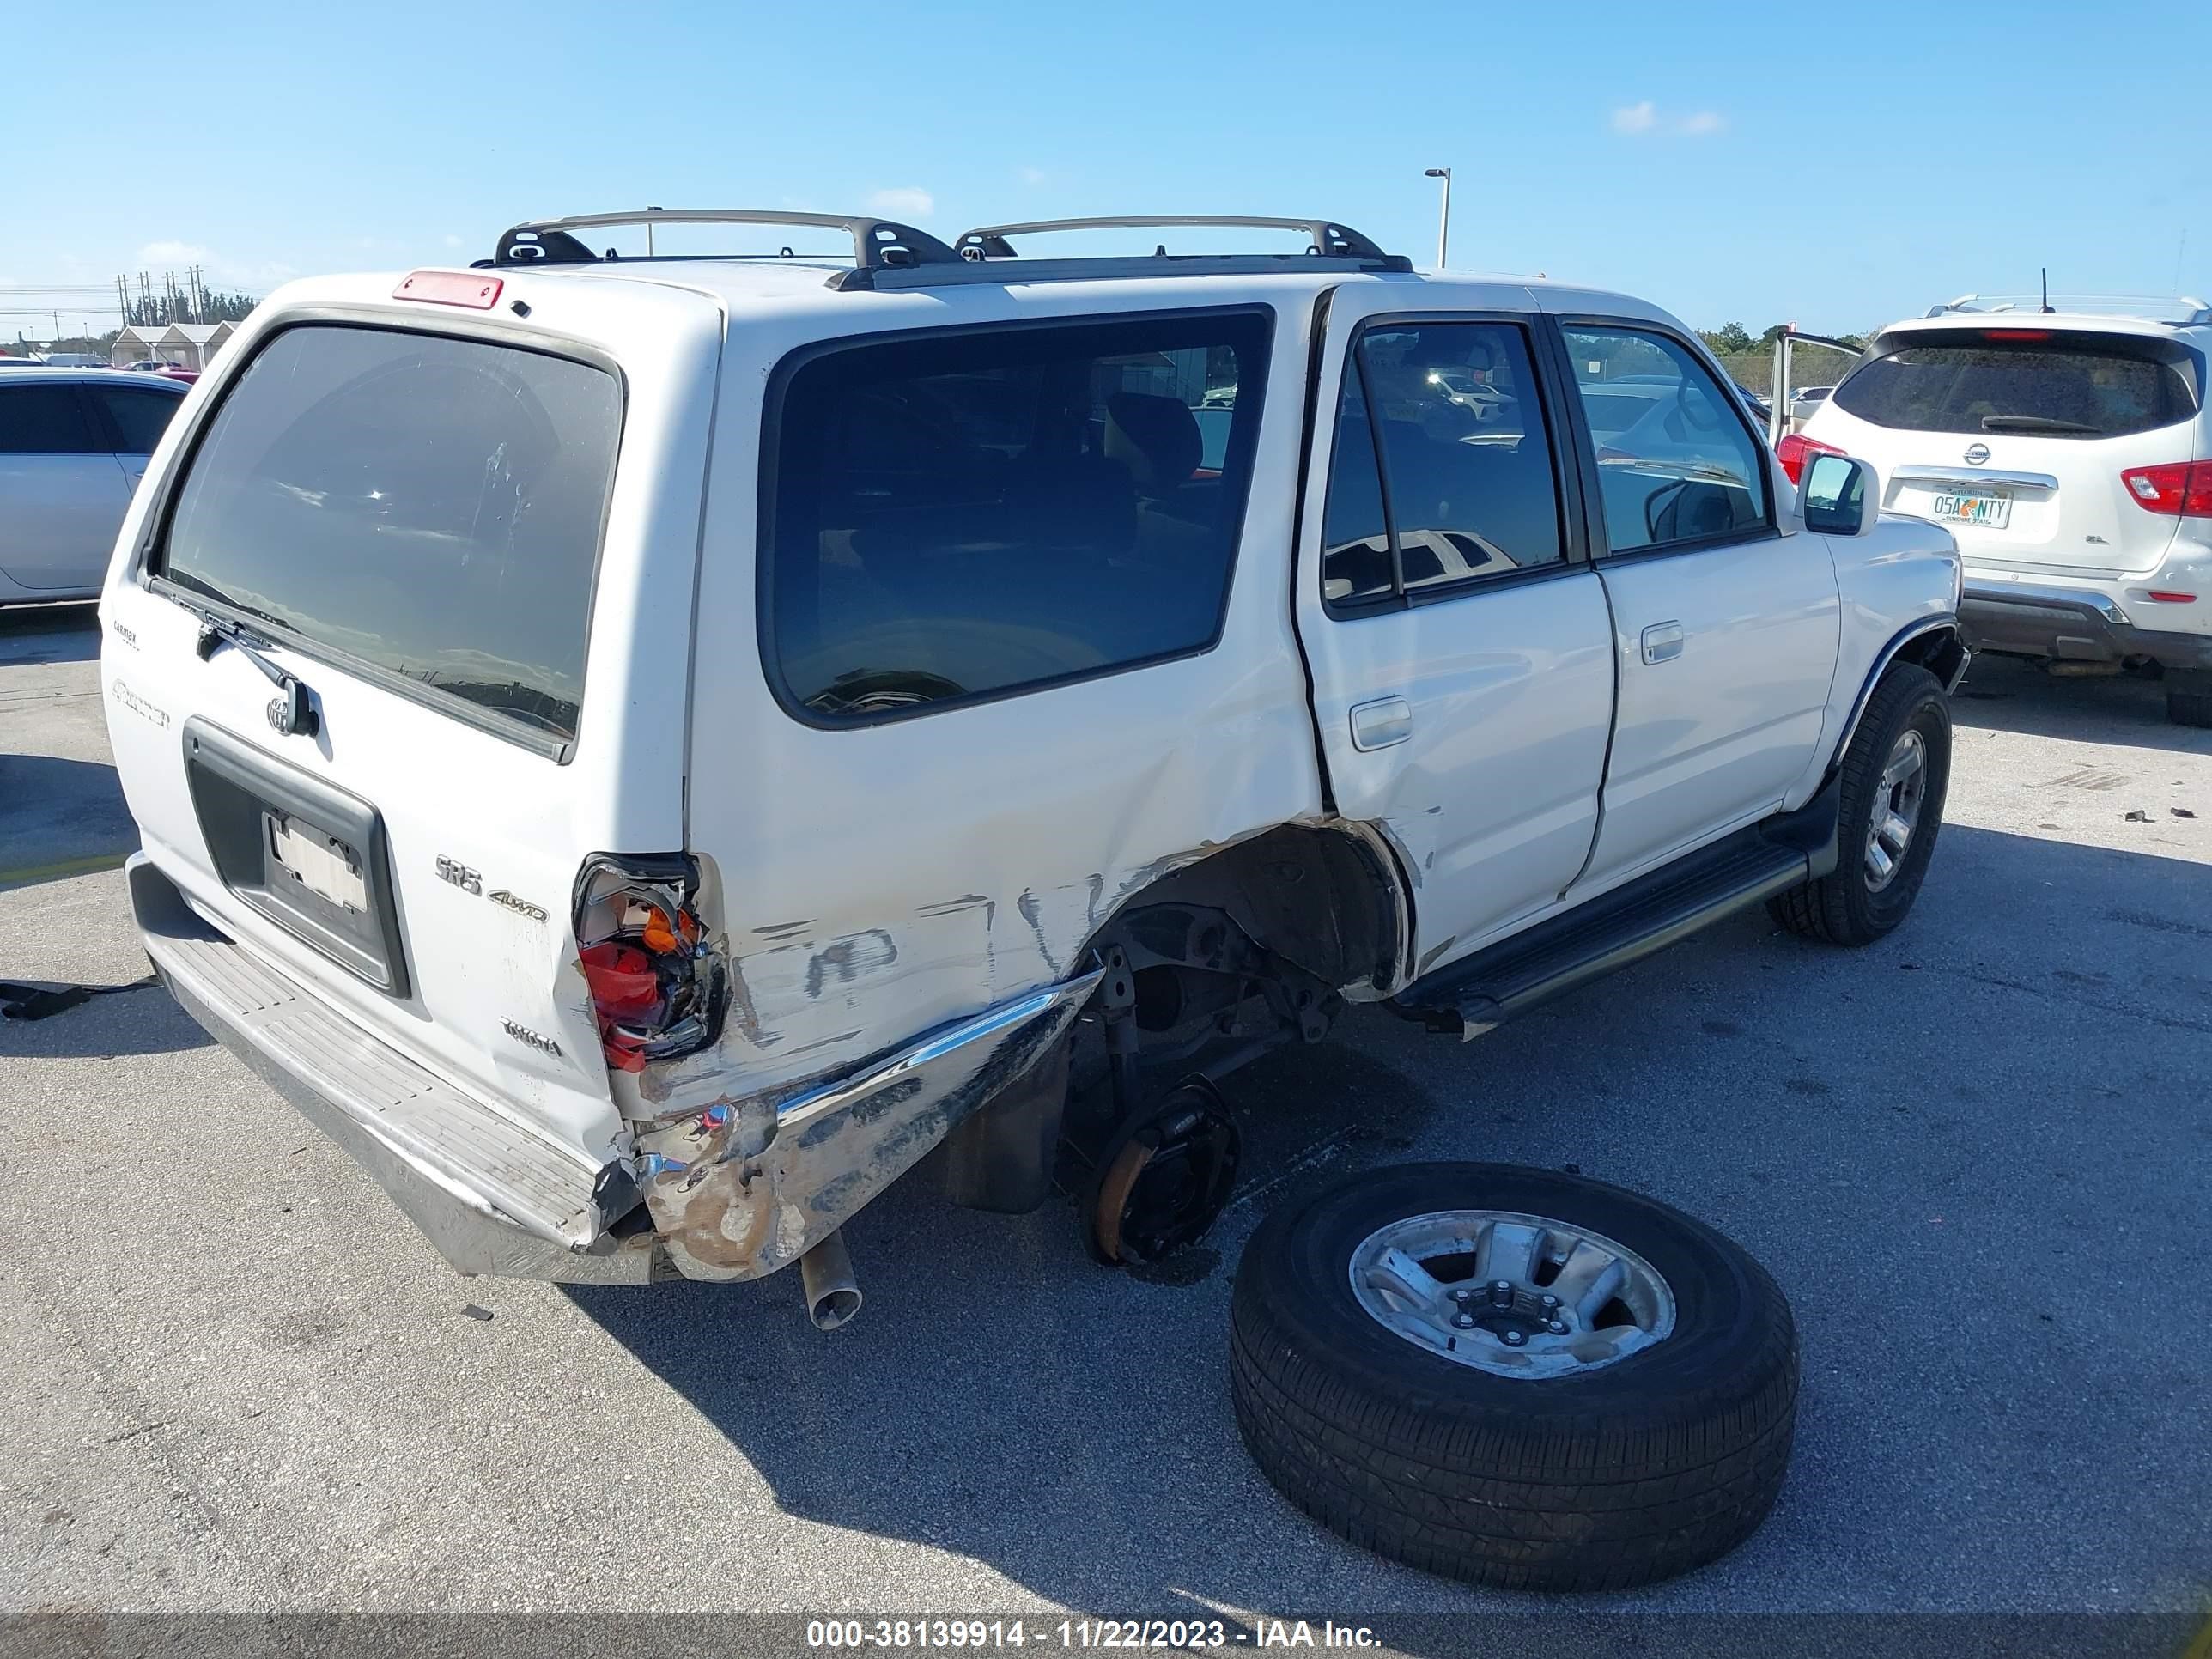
(869, 885)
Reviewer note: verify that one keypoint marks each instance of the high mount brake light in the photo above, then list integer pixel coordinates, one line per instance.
(451, 288)
(1796, 449)
(2015, 333)
(657, 991)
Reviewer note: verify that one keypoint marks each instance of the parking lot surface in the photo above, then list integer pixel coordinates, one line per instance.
(1974, 1156)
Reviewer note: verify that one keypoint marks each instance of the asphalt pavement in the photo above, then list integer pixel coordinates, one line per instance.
(1975, 1156)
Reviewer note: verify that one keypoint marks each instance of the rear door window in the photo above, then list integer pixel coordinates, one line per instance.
(45, 420)
(2035, 382)
(1442, 473)
(428, 507)
(961, 515)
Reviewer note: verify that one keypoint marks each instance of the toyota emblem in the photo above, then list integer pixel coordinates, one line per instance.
(1977, 454)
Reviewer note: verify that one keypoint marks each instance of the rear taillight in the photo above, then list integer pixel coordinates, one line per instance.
(2177, 490)
(1796, 449)
(657, 991)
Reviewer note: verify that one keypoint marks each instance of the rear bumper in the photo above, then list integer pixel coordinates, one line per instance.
(736, 1189)
(2070, 625)
(494, 1198)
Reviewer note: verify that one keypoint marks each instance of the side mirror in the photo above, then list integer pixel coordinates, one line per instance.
(1838, 496)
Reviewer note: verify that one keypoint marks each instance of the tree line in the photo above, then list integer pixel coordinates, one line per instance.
(1733, 339)
(208, 305)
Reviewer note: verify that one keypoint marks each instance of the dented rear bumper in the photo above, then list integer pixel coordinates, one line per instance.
(742, 1187)
(735, 1190)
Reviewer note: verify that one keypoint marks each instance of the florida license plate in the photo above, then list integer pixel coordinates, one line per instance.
(1991, 510)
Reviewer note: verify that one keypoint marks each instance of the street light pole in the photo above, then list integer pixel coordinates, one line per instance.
(1443, 217)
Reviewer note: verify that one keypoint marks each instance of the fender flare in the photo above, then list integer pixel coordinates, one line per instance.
(1946, 658)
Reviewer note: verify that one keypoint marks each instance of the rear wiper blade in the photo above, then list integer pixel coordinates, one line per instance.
(2037, 423)
(290, 711)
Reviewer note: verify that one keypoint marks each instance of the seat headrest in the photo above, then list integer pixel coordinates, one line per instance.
(1156, 438)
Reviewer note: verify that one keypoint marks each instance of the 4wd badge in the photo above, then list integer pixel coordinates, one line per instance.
(472, 881)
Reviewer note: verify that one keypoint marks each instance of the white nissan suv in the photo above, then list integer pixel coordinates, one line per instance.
(2070, 452)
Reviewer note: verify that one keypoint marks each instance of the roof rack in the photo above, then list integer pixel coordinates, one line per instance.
(887, 254)
(1326, 238)
(2196, 312)
(878, 244)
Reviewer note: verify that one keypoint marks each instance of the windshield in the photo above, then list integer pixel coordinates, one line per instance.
(426, 506)
(2045, 384)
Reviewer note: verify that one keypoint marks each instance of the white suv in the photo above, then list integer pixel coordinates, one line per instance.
(642, 751)
(2071, 454)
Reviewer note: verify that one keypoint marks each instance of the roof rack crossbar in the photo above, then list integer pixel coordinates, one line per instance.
(1327, 236)
(878, 244)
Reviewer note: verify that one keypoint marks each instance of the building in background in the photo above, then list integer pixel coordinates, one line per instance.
(191, 345)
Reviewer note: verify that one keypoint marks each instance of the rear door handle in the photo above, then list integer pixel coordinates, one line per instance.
(1662, 641)
(1379, 724)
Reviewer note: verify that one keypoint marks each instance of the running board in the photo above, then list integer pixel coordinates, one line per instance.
(1473, 996)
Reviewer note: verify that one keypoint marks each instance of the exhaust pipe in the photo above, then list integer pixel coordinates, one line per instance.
(826, 1272)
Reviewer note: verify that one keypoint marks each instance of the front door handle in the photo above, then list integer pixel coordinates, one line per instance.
(1379, 724)
(1662, 641)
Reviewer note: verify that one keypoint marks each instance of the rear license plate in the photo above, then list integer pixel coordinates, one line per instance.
(1991, 509)
(320, 862)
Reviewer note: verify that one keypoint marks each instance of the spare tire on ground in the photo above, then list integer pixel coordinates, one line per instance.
(1529, 1380)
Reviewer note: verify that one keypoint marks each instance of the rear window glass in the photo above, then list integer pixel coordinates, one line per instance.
(963, 514)
(140, 416)
(426, 505)
(2068, 386)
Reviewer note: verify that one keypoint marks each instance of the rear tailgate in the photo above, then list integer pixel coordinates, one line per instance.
(2016, 439)
(471, 532)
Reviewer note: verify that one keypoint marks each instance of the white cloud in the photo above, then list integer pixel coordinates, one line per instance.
(453, 241)
(1032, 176)
(216, 269)
(174, 253)
(1636, 120)
(911, 200)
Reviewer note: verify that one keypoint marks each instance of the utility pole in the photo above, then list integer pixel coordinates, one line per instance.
(1443, 216)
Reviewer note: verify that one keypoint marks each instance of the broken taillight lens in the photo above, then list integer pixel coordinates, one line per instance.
(657, 989)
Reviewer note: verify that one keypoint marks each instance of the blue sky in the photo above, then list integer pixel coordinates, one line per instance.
(1834, 165)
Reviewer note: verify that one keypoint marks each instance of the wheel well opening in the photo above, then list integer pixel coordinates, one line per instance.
(1319, 898)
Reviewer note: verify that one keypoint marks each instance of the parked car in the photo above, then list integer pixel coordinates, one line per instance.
(72, 444)
(2066, 453)
(74, 360)
(642, 756)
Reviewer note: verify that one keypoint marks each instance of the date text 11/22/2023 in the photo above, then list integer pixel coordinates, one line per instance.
(832, 1634)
